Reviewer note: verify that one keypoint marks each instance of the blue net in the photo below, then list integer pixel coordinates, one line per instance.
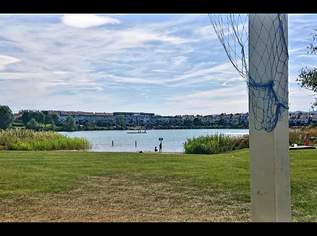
(267, 73)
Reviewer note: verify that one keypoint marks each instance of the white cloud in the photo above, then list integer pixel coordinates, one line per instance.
(131, 80)
(213, 101)
(213, 94)
(60, 72)
(300, 99)
(206, 31)
(7, 60)
(218, 72)
(87, 20)
(135, 37)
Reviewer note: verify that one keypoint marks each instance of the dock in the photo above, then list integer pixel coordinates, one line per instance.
(302, 147)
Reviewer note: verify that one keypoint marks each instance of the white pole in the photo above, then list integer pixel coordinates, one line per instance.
(270, 180)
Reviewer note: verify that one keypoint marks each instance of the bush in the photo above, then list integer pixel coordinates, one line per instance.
(69, 124)
(33, 124)
(296, 136)
(6, 117)
(217, 143)
(29, 140)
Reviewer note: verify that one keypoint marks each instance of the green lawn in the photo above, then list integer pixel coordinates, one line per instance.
(141, 187)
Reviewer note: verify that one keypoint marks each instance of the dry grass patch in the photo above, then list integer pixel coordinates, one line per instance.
(125, 199)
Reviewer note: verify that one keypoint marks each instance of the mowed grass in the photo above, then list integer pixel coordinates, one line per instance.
(87, 186)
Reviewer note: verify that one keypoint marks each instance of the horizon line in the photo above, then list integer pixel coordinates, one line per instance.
(94, 112)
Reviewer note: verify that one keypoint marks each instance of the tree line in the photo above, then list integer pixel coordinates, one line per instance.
(43, 120)
(35, 120)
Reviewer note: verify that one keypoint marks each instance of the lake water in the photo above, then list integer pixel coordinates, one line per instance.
(173, 140)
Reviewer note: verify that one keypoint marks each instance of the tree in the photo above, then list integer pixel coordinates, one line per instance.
(25, 117)
(53, 126)
(69, 124)
(197, 122)
(6, 117)
(122, 122)
(188, 123)
(55, 118)
(28, 115)
(308, 76)
(33, 124)
(48, 119)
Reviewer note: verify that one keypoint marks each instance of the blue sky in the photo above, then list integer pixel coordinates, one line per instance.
(166, 64)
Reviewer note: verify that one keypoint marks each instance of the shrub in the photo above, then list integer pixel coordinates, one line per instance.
(217, 143)
(296, 136)
(23, 139)
(6, 117)
(69, 124)
(33, 124)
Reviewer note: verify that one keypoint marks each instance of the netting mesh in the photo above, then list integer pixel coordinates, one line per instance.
(263, 40)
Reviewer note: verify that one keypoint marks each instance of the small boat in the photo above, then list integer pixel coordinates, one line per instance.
(137, 132)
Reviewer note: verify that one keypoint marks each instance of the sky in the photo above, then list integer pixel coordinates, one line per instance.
(166, 64)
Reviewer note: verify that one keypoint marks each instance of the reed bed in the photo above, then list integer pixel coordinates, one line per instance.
(217, 143)
(29, 140)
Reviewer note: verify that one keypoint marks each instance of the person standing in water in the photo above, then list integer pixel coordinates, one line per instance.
(160, 146)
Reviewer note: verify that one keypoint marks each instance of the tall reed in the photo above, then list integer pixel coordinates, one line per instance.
(217, 143)
(29, 140)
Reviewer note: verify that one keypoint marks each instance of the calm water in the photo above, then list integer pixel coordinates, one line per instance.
(173, 140)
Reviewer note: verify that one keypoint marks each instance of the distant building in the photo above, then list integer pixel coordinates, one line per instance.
(134, 118)
(151, 120)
